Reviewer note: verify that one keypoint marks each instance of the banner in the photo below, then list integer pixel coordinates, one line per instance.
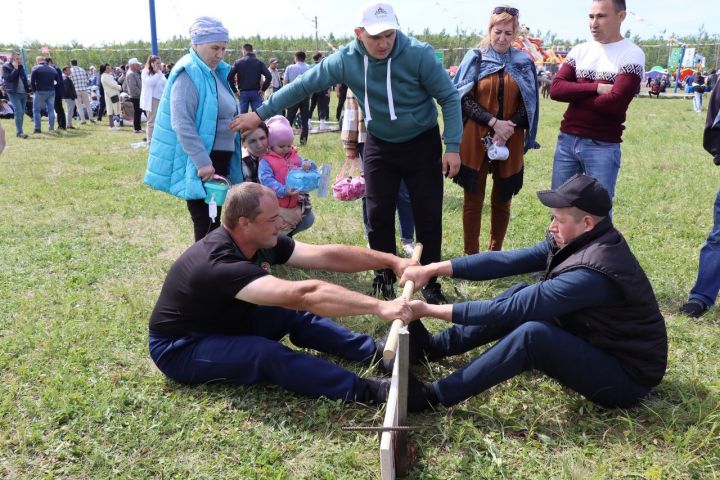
(674, 58)
(689, 58)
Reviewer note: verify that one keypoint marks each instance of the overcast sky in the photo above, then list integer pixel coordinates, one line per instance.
(101, 22)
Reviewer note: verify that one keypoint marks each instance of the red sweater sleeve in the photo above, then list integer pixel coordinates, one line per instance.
(565, 87)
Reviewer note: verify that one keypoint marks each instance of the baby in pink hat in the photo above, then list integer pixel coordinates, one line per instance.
(273, 171)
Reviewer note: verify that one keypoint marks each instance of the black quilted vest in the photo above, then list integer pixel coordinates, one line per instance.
(633, 331)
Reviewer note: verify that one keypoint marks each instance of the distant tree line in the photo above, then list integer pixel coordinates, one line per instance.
(454, 46)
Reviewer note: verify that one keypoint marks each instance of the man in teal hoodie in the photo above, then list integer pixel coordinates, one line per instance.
(396, 79)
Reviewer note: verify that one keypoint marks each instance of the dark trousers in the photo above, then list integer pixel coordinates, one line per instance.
(419, 163)
(304, 116)
(60, 111)
(255, 355)
(137, 114)
(321, 100)
(340, 105)
(202, 223)
(531, 345)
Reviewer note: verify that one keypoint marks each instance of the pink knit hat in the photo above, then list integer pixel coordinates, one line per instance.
(280, 131)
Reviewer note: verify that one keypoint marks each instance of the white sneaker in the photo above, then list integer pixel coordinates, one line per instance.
(323, 125)
(114, 128)
(408, 247)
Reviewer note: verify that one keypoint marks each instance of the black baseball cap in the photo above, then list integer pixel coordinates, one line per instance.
(580, 191)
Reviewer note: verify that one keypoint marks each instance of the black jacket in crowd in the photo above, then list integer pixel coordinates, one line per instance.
(248, 71)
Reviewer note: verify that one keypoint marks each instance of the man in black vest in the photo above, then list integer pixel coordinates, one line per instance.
(592, 323)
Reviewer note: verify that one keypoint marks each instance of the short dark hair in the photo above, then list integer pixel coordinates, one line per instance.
(73, 62)
(243, 200)
(300, 55)
(618, 5)
(317, 56)
(247, 47)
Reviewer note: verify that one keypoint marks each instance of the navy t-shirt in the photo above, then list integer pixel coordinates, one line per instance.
(199, 292)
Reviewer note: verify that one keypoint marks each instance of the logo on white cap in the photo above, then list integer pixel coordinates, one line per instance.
(378, 17)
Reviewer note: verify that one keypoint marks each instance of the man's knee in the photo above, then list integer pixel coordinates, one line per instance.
(537, 338)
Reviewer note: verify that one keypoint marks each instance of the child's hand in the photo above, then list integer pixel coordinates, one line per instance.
(306, 165)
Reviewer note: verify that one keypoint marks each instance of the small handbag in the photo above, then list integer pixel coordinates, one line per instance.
(115, 99)
(351, 187)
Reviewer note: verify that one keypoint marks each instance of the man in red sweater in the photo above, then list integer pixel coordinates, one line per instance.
(598, 79)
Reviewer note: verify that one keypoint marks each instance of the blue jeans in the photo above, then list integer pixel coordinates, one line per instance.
(18, 100)
(707, 285)
(531, 345)
(249, 98)
(596, 158)
(256, 356)
(45, 99)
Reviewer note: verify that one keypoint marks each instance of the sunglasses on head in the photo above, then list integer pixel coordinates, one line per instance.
(509, 10)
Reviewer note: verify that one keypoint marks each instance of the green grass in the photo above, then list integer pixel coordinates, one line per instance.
(84, 248)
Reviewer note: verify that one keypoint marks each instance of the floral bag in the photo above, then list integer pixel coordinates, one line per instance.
(350, 187)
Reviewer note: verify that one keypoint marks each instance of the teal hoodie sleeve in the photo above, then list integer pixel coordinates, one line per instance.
(438, 84)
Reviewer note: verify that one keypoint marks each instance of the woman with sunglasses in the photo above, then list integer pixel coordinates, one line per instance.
(499, 95)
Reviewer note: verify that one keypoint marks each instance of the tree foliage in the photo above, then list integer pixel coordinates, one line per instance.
(454, 45)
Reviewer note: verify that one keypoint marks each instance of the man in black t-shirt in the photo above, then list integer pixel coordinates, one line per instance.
(221, 313)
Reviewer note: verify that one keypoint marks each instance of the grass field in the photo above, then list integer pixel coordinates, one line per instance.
(84, 247)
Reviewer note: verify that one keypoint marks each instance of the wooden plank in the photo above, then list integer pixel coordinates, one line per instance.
(394, 443)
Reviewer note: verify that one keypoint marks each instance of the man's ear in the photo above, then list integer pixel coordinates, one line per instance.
(588, 223)
(358, 31)
(621, 15)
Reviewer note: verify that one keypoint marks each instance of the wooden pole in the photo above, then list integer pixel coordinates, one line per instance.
(392, 340)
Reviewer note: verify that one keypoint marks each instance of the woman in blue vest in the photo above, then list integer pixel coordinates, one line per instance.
(192, 140)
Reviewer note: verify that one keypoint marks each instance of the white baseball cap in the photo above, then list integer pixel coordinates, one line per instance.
(134, 61)
(378, 17)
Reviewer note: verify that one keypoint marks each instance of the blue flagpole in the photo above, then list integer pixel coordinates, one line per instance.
(153, 29)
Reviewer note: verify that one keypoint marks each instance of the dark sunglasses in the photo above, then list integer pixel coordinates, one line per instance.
(509, 10)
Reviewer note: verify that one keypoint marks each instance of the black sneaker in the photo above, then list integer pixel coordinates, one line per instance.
(694, 308)
(377, 390)
(37, 131)
(22, 135)
(383, 288)
(421, 395)
(432, 294)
